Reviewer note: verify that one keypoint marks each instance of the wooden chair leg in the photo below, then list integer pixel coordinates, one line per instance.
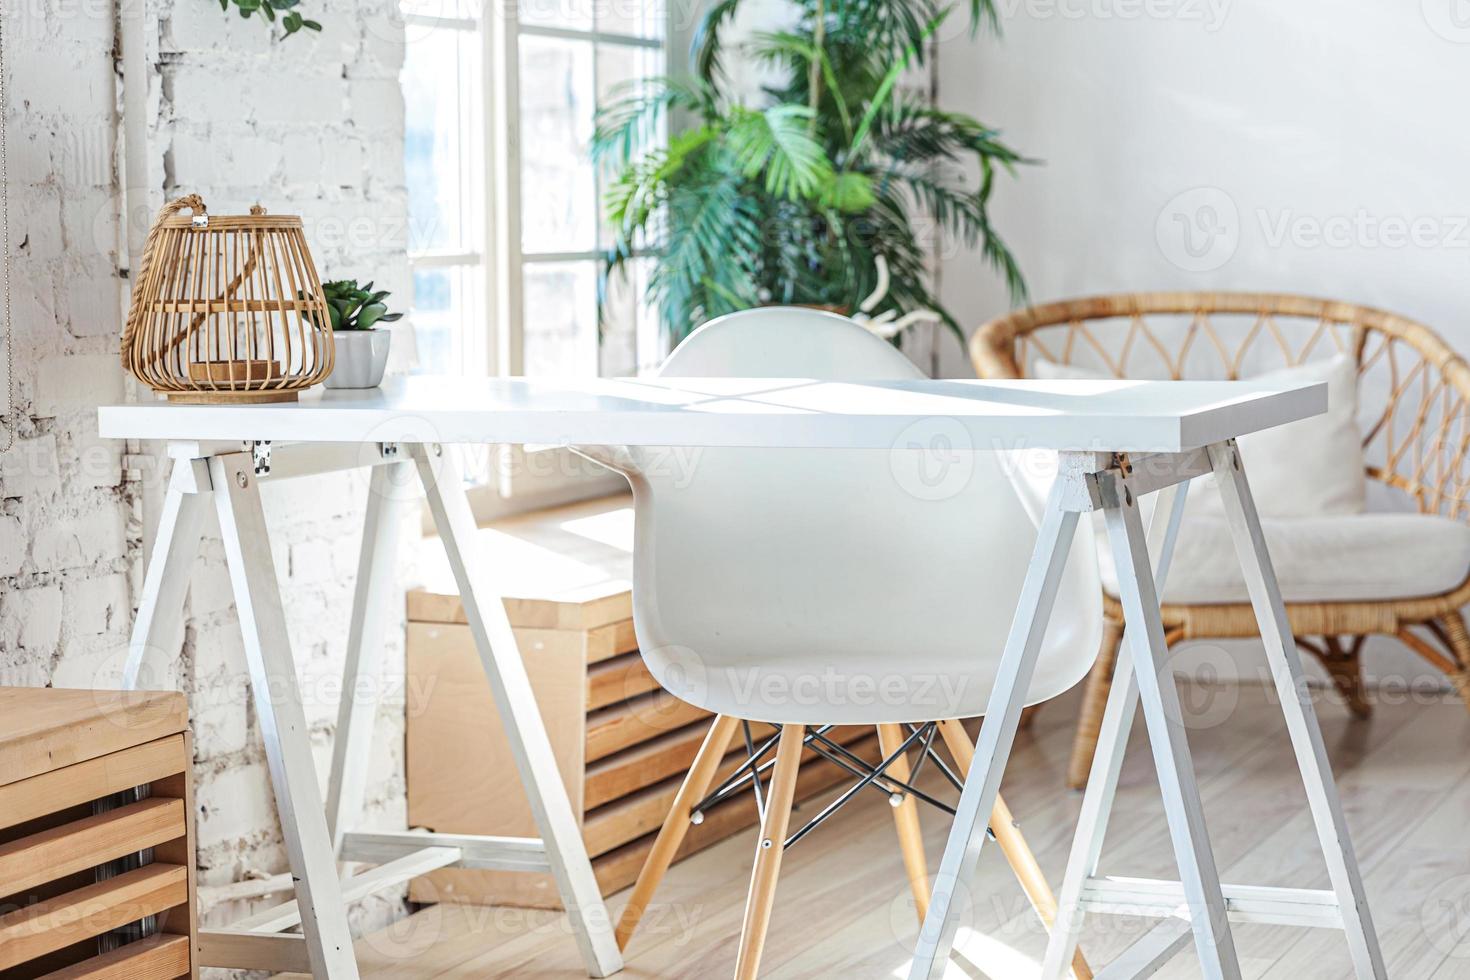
(1458, 637)
(676, 824)
(1094, 700)
(768, 852)
(1344, 665)
(1012, 844)
(906, 817)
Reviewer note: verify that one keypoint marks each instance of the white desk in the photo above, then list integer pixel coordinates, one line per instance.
(1117, 441)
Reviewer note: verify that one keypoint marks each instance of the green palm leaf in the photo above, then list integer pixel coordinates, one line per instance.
(792, 199)
(777, 143)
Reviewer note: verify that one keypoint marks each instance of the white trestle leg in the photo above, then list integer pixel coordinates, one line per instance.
(281, 716)
(391, 494)
(160, 605)
(1198, 906)
(997, 733)
(1159, 698)
(1107, 762)
(319, 835)
(1296, 705)
(485, 612)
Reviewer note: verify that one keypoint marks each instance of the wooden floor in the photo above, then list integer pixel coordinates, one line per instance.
(843, 909)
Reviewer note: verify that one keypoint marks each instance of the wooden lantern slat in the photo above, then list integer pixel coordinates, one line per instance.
(227, 308)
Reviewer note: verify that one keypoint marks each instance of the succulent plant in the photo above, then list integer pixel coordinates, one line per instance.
(354, 307)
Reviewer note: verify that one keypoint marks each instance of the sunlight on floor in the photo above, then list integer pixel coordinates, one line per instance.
(977, 955)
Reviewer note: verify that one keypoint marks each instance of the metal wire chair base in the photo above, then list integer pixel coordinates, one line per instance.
(866, 775)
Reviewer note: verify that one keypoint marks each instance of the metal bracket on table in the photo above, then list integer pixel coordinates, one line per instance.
(1084, 474)
(260, 455)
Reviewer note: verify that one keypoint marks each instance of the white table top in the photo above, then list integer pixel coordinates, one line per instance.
(1134, 416)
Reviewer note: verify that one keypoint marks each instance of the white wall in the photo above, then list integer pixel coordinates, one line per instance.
(312, 125)
(1310, 146)
(1334, 119)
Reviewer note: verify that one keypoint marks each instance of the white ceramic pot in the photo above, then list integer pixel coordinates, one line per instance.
(362, 356)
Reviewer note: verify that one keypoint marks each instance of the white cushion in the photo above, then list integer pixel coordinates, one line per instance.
(1304, 469)
(1318, 559)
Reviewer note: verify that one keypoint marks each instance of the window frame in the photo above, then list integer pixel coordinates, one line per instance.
(500, 257)
(497, 346)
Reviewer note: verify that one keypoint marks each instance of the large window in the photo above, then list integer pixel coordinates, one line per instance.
(506, 231)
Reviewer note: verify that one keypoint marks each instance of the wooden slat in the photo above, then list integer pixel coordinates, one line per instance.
(86, 843)
(43, 729)
(617, 869)
(643, 765)
(181, 920)
(56, 923)
(238, 949)
(629, 818)
(626, 723)
(153, 958)
(578, 611)
(90, 780)
(605, 642)
(618, 679)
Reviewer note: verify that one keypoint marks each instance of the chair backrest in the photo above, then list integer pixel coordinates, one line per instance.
(1413, 389)
(834, 586)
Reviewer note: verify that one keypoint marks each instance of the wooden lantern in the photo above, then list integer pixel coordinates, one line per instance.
(227, 308)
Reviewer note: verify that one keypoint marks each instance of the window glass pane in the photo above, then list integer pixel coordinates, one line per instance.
(630, 344)
(620, 67)
(440, 86)
(642, 18)
(446, 309)
(558, 190)
(560, 333)
(571, 14)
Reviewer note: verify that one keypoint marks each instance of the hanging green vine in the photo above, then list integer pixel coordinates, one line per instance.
(290, 19)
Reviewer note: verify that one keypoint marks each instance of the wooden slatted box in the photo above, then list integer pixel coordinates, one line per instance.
(622, 743)
(96, 836)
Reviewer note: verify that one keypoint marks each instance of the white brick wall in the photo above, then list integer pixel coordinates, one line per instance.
(312, 125)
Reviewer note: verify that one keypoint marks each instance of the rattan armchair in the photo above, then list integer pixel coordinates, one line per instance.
(1414, 413)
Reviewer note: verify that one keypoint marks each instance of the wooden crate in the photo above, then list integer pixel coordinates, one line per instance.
(622, 743)
(71, 906)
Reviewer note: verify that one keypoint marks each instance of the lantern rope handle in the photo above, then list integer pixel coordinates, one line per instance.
(192, 202)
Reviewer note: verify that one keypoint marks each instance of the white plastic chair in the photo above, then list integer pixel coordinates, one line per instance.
(832, 588)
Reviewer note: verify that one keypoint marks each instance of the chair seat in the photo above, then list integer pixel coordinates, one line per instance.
(1337, 558)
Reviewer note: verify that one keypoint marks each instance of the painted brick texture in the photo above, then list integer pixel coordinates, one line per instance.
(312, 125)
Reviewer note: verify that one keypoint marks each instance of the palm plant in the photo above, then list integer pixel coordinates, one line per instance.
(790, 202)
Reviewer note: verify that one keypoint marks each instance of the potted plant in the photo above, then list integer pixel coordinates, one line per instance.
(795, 199)
(362, 346)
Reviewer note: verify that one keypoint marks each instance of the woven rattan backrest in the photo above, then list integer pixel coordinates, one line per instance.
(1413, 392)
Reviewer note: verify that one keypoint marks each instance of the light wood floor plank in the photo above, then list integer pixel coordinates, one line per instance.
(844, 909)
